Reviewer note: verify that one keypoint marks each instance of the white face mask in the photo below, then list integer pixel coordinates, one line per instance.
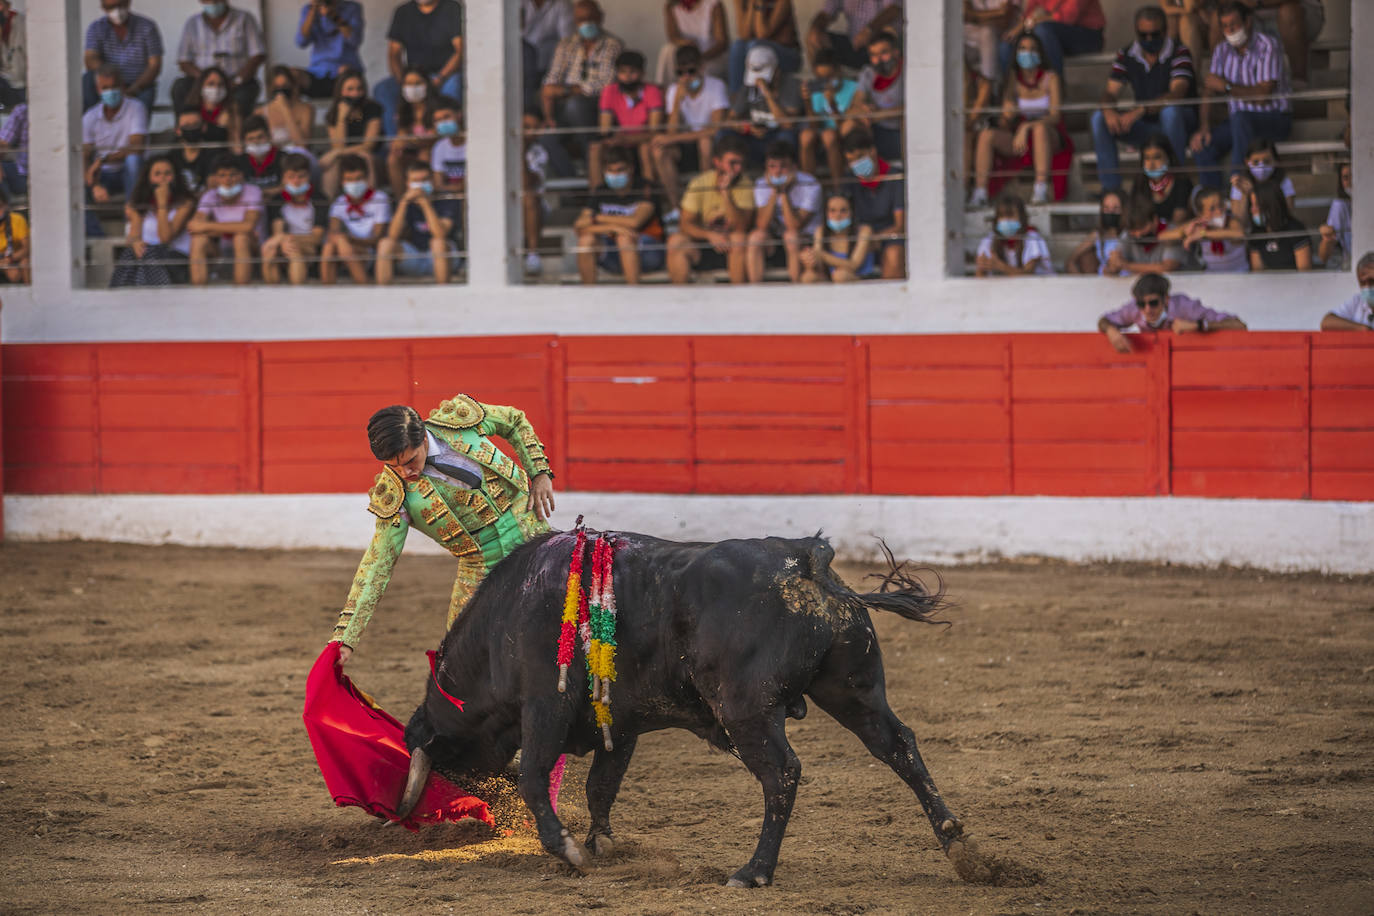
(212, 94)
(119, 15)
(258, 150)
(1236, 39)
(413, 93)
(1218, 221)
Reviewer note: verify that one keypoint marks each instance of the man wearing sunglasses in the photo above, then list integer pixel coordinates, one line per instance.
(1152, 308)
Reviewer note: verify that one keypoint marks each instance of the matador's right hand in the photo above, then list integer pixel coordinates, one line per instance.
(345, 653)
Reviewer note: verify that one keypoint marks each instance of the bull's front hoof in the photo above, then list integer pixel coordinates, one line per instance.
(970, 863)
(601, 844)
(573, 852)
(750, 876)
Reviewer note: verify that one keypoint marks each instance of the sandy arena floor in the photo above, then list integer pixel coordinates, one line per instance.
(1147, 739)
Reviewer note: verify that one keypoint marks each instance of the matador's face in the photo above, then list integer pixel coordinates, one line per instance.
(409, 463)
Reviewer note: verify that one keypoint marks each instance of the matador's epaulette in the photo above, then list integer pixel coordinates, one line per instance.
(386, 495)
(460, 413)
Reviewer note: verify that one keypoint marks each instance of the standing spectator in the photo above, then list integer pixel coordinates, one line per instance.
(840, 251)
(262, 160)
(535, 207)
(224, 37)
(543, 24)
(228, 223)
(220, 119)
(766, 107)
(1141, 250)
(1160, 74)
(717, 208)
(619, 230)
(1065, 27)
(984, 23)
(764, 22)
(1278, 241)
(156, 216)
(14, 60)
(1090, 257)
(831, 97)
(421, 239)
(696, 105)
(112, 138)
(864, 19)
(1336, 232)
(14, 243)
(583, 65)
(1031, 126)
(880, 94)
(1357, 312)
(1214, 238)
(1159, 182)
(631, 113)
(357, 220)
(191, 160)
(428, 36)
(1014, 248)
(1248, 70)
(699, 24)
(414, 129)
(449, 156)
(297, 220)
(333, 31)
(787, 206)
(14, 151)
(129, 41)
(354, 123)
(290, 119)
(1152, 308)
(879, 201)
(1262, 166)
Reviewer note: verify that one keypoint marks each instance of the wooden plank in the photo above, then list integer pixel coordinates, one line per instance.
(48, 362)
(1351, 485)
(170, 479)
(616, 443)
(779, 477)
(950, 420)
(48, 405)
(1126, 382)
(931, 350)
(673, 350)
(320, 411)
(951, 456)
(1226, 368)
(1124, 457)
(1342, 366)
(57, 446)
(169, 360)
(1074, 350)
(382, 377)
(1343, 450)
(1240, 449)
(1074, 482)
(774, 445)
(936, 384)
(1236, 484)
(1343, 408)
(902, 481)
(50, 478)
(166, 410)
(154, 447)
(1240, 409)
(1095, 422)
(756, 350)
(629, 476)
(611, 398)
(770, 397)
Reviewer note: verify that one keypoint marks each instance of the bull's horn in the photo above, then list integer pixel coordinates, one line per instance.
(415, 783)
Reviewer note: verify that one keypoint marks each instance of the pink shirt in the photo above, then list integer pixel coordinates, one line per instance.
(1085, 13)
(1178, 306)
(631, 112)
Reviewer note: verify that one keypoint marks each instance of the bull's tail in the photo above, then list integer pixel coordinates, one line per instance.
(903, 593)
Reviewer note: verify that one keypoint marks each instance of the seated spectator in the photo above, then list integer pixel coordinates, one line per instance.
(879, 102)
(1141, 250)
(333, 31)
(1247, 69)
(583, 65)
(426, 35)
(534, 205)
(14, 243)
(1261, 166)
(1090, 257)
(156, 216)
(1296, 23)
(1188, 23)
(227, 224)
(772, 23)
(1031, 127)
(1065, 28)
(290, 119)
(422, 237)
(864, 20)
(191, 160)
(696, 106)
(220, 119)
(113, 134)
(1215, 238)
(978, 96)
(717, 209)
(262, 161)
(787, 205)
(1014, 248)
(297, 219)
(631, 113)
(1153, 309)
(132, 43)
(354, 123)
(14, 61)
(414, 128)
(619, 230)
(544, 23)
(1357, 312)
(1335, 247)
(1159, 182)
(448, 158)
(831, 96)
(229, 40)
(1159, 72)
(766, 108)
(14, 151)
(839, 251)
(1278, 241)
(984, 23)
(357, 220)
(698, 24)
(879, 195)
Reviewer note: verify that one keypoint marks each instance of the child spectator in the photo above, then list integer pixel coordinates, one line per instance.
(619, 230)
(354, 123)
(160, 208)
(717, 209)
(879, 195)
(1169, 192)
(414, 128)
(261, 160)
(772, 23)
(880, 94)
(1031, 126)
(449, 156)
(1261, 166)
(422, 238)
(767, 105)
(1357, 313)
(696, 24)
(1153, 309)
(14, 243)
(357, 219)
(1090, 257)
(112, 137)
(1335, 248)
(1215, 237)
(631, 112)
(1278, 241)
(839, 251)
(831, 96)
(220, 119)
(787, 205)
(333, 31)
(298, 218)
(190, 159)
(1014, 248)
(228, 222)
(14, 144)
(696, 105)
(1141, 251)
(290, 119)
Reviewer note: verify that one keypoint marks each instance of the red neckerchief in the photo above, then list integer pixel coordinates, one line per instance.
(210, 116)
(303, 199)
(1039, 75)
(882, 82)
(355, 208)
(1159, 187)
(261, 169)
(1013, 244)
(5, 28)
(883, 169)
(1147, 247)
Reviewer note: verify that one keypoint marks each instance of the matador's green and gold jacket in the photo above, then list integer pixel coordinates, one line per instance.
(478, 526)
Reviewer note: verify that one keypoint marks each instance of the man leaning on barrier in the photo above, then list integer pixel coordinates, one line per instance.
(1152, 308)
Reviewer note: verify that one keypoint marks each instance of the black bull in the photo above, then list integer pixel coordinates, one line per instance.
(721, 639)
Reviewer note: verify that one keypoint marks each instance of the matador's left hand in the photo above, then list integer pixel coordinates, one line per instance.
(541, 495)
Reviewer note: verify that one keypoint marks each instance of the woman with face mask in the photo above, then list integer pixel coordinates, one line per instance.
(354, 123)
(1159, 181)
(415, 128)
(1261, 165)
(156, 215)
(1014, 248)
(1277, 240)
(1090, 257)
(840, 251)
(1031, 129)
(290, 119)
(220, 119)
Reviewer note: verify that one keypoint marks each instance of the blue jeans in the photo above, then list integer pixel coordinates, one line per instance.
(387, 93)
(652, 255)
(90, 98)
(15, 183)
(412, 261)
(789, 59)
(119, 180)
(1177, 122)
(1060, 41)
(1236, 135)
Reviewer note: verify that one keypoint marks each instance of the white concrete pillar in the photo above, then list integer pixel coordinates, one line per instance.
(55, 180)
(927, 62)
(1362, 124)
(492, 98)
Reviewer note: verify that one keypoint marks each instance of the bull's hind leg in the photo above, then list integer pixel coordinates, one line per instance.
(761, 743)
(603, 784)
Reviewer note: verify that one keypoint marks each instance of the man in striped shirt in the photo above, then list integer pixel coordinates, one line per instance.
(129, 41)
(1248, 69)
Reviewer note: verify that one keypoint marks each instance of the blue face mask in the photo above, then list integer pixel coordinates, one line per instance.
(863, 168)
(355, 189)
(1257, 219)
(1156, 174)
(838, 225)
(111, 98)
(694, 84)
(446, 128)
(778, 181)
(230, 191)
(1367, 292)
(1008, 227)
(214, 10)
(617, 180)
(296, 190)
(589, 30)
(1027, 60)
(1262, 172)
(426, 186)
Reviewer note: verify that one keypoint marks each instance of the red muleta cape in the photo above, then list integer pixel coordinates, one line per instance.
(362, 752)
